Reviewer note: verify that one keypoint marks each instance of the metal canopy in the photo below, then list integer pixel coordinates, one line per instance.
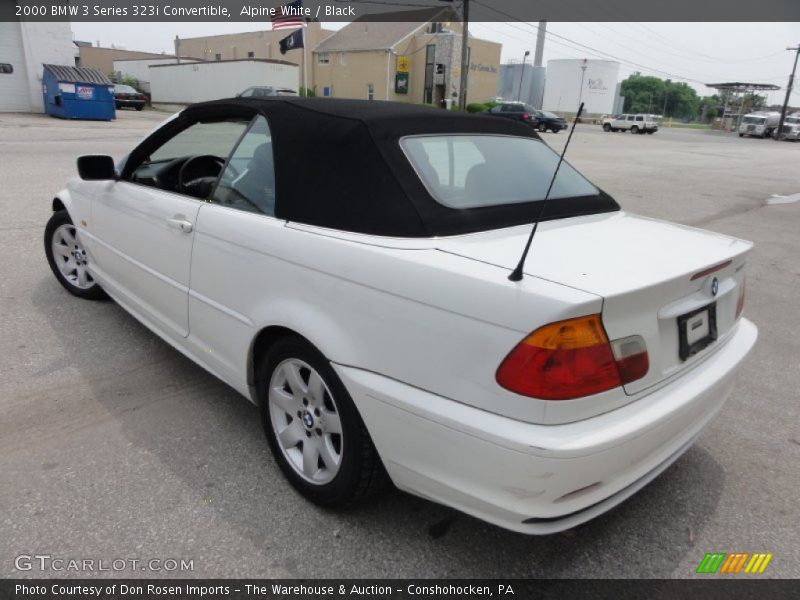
(737, 86)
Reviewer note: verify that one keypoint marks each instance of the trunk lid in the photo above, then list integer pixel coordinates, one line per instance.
(650, 274)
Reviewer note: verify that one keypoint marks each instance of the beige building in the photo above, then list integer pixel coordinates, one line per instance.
(417, 61)
(94, 57)
(252, 44)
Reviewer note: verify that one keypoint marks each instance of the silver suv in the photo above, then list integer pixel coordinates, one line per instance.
(640, 123)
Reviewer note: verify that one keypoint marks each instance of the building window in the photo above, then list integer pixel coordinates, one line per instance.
(343, 59)
(218, 56)
(323, 58)
(251, 54)
(430, 65)
(370, 91)
(6, 69)
(436, 28)
(326, 92)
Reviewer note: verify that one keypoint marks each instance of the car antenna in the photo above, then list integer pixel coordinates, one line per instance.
(516, 274)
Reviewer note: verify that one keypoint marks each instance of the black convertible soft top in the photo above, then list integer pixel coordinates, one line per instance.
(339, 164)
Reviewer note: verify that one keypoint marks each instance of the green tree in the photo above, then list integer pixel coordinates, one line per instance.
(647, 94)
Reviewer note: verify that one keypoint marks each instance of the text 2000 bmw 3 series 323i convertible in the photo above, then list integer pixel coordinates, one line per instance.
(345, 265)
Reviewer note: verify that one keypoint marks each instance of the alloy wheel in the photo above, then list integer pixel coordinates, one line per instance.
(70, 257)
(306, 421)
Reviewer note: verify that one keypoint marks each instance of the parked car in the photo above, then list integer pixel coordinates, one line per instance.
(550, 121)
(126, 96)
(791, 128)
(607, 120)
(265, 91)
(516, 111)
(368, 310)
(639, 123)
(759, 124)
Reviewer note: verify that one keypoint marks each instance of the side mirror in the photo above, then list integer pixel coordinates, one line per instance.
(96, 167)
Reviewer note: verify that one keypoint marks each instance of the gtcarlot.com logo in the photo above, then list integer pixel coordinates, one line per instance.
(46, 562)
(734, 563)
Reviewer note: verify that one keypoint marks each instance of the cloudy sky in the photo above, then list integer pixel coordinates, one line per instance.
(693, 52)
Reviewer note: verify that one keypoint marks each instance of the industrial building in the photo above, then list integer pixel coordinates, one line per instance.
(522, 82)
(572, 81)
(102, 59)
(417, 61)
(186, 83)
(138, 69)
(24, 50)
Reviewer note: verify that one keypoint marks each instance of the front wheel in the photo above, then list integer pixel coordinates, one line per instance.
(140, 107)
(68, 259)
(741, 135)
(606, 127)
(555, 129)
(313, 428)
(635, 129)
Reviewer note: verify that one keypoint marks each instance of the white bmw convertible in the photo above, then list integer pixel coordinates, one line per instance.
(345, 265)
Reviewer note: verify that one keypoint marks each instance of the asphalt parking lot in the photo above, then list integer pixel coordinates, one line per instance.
(115, 446)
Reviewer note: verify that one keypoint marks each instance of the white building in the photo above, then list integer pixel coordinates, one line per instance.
(187, 83)
(24, 48)
(563, 91)
(139, 68)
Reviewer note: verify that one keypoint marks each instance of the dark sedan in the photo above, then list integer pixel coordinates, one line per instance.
(550, 121)
(126, 96)
(516, 111)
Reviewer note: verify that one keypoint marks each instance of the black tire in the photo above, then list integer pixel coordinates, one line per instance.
(555, 129)
(140, 107)
(635, 129)
(542, 128)
(606, 127)
(361, 473)
(651, 132)
(614, 130)
(741, 135)
(59, 219)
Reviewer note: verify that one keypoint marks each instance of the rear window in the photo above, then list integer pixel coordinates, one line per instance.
(471, 171)
(124, 89)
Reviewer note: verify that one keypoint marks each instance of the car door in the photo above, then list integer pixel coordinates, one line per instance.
(143, 224)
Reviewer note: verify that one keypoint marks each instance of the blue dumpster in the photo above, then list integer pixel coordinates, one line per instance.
(77, 93)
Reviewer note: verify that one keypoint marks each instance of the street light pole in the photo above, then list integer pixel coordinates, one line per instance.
(788, 91)
(522, 74)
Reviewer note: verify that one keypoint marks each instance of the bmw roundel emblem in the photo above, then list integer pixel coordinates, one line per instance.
(714, 286)
(308, 420)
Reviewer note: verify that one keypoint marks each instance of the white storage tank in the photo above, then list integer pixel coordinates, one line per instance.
(187, 83)
(563, 92)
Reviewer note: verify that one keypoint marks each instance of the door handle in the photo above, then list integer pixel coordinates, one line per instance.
(180, 224)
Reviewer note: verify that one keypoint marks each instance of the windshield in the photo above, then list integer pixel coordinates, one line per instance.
(793, 120)
(124, 89)
(471, 171)
(754, 120)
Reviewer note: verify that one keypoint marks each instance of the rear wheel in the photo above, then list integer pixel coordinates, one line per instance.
(555, 129)
(140, 107)
(313, 428)
(651, 132)
(68, 259)
(741, 135)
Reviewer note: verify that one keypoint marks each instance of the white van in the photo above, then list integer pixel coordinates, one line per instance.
(760, 124)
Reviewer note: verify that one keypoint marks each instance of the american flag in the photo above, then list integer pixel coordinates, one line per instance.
(288, 16)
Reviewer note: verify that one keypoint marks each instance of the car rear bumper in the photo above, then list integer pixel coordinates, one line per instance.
(123, 102)
(540, 479)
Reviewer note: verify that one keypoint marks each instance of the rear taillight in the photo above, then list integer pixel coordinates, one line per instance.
(740, 300)
(142, 97)
(526, 117)
(571, 359)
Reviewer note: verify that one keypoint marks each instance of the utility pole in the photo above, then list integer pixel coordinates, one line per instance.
(462, 96)
(522, 74)
(788, 91)
(583, 74)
